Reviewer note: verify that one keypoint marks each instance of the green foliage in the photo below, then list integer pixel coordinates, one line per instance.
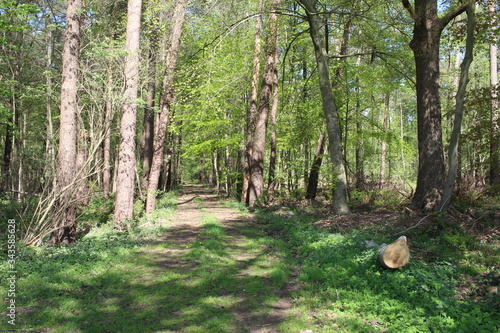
(349, 291)
(375, 198)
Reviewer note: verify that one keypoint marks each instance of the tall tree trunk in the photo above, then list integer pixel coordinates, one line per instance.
(66, 232)
(383, 152)
(166, 102)
(7, 152)
(425, 45)
(274, 112)
(256, 184)
(312, 183)
(124, 205)
(402, 139)
(49, 146)
(108, 117)
(252, 111)
(459, 109)
(149, 114)
(330, 110)
(495, 117)
(359, 153)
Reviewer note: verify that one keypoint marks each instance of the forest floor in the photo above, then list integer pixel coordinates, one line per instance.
(202, 263)
(243, 280)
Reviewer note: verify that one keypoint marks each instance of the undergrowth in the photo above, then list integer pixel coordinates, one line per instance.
(108, 281)
(344, 289)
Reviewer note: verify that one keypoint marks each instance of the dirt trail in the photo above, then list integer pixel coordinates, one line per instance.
(195, 205)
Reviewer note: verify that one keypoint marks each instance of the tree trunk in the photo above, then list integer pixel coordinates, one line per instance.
(106, 168)
(330, 110)
(274, 111)
(7, 155)
(124, 205)
(49, 146)
(495, 117)
(66, 159)
(383, 153)
(108, 119)
(396, 254)
(252, 113)
(312, 183)
(360, 148)
(256, 183)
(459, 108)
(166, 102)
(149, 115)
(425, 45)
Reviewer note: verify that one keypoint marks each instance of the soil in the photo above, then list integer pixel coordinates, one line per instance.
(194, 204)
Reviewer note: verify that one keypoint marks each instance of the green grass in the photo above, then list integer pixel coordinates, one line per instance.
(345, 290)
(121, 282)
(133, 282)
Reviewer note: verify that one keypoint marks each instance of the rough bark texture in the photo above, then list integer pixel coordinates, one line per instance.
(126, 156)
(312, 183)
(252, 110)
(256, 183)
(495, 118)
(274, 111)
(166, 101)
(425, 45)
(383, 149)
(329, 108)
(67, 152)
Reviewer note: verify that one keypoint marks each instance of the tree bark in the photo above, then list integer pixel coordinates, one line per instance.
(383, 152)
(106, 168)
(425, 45)
(330, 110)
(108, 119)
(49, 146)
(124, 205)
(166, 102)
(252, 110)
(256, 183)
(459, 108)
(312, 183)
(7, 154)
(495, 117)
(149, 115)
(66, 159)
(274, 111)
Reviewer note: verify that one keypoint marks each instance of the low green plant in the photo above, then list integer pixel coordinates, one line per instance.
(347, 290)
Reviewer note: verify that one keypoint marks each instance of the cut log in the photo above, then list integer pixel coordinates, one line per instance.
(396, 254)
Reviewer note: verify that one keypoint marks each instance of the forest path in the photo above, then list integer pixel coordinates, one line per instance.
(232, 277)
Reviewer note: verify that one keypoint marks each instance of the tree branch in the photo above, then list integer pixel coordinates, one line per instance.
(409, 8)
(452, 14)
